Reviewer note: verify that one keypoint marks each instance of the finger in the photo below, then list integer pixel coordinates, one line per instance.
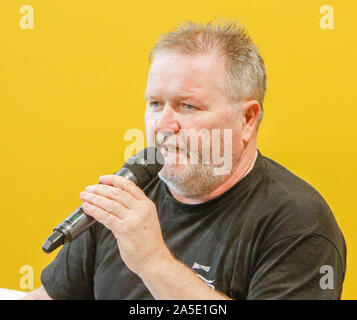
(110, 221)
(114, 193)
(125, 184)
(104, 203)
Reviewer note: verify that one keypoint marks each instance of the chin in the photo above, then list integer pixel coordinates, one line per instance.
(188, 179)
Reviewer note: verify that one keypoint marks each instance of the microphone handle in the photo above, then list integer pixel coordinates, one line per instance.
(77, 222)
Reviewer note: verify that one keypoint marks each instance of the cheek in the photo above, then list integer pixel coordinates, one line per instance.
(199, 122)
(150, 131)
(231, 121)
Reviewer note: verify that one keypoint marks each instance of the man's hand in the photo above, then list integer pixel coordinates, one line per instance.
(123, 208)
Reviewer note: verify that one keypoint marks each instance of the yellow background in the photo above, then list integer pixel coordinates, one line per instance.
(70, 88)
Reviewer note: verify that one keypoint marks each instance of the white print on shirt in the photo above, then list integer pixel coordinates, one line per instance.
(208, 282)
(200, 266)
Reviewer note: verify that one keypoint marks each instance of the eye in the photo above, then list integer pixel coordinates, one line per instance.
(189, 106)
(154, 103)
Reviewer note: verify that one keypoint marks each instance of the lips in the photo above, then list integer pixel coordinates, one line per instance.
(166, 149)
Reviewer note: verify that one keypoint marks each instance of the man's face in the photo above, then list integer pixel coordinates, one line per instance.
(182, 93)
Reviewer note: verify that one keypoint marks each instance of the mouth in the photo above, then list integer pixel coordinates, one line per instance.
(171, 149)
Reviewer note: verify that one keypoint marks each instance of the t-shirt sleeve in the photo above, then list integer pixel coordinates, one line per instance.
(299, 267)
(70, 274)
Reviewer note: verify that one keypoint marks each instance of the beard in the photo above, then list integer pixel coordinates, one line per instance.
(187, 171)
(194, 180)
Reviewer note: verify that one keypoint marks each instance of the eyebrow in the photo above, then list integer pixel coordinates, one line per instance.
(150, 96)
(179, 97)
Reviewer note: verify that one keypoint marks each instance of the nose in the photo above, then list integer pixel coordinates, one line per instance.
(167, 120)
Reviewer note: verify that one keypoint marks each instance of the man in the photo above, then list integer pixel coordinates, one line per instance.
(254, 232)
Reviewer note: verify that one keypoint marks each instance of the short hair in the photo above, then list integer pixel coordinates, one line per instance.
(245, 70)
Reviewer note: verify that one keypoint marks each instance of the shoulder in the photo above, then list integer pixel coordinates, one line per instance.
(286, 189)
(291, 206)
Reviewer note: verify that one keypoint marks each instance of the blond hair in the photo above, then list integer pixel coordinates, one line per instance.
(245, 71)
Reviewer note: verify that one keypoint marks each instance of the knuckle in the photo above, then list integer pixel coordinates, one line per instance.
(113, 207)
(119, 179)
(130, 183)
(90, 197)
(115, 192)
(110, 207)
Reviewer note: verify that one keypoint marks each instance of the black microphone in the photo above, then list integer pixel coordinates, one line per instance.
(141, 168)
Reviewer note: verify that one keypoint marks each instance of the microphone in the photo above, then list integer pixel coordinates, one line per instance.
(141, 168)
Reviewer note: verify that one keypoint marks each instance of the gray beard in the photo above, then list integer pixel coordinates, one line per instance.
(196, 180)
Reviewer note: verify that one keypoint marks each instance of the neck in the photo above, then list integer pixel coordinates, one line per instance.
(244, 166)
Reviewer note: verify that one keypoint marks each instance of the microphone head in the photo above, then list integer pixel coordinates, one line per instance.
(145, 165)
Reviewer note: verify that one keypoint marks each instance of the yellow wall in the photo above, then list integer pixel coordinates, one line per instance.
(72, 86)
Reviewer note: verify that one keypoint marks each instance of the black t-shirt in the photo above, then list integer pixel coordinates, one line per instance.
(270, 236)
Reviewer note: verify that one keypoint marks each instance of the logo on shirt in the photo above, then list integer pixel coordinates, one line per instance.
(198, 266)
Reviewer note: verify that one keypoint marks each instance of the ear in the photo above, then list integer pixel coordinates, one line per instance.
(250, 111)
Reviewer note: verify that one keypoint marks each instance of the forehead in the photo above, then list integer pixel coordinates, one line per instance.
(173, 73)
